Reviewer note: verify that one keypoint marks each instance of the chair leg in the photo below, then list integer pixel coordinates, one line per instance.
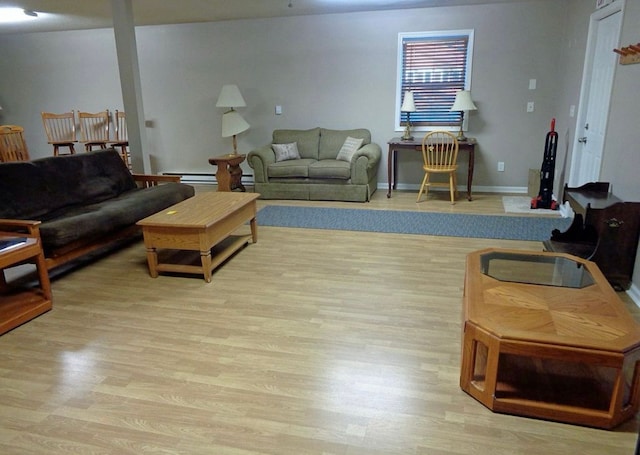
(455, 184)
(452, 188)
(425, 181)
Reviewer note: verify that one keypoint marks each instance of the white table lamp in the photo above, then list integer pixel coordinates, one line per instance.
(408, 106)
(232, 122)
(463, 103)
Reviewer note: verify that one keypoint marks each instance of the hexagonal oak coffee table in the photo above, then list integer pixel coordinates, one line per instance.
(546, 336)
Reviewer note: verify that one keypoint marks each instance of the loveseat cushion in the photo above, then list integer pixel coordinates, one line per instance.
(290, 168)
(330, 169)
(307, 140)
(95, 220)
(331, 141)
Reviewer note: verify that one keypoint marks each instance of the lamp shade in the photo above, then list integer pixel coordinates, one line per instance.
(233, 123)
(463, 102)
(230, 97)
(408, 104)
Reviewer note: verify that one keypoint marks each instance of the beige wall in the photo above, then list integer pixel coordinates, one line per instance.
(336, 71)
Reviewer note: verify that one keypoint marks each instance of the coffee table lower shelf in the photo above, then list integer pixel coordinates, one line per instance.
(193, 262)
(573, 385)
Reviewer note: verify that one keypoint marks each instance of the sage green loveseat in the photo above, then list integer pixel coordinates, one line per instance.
(317, 174)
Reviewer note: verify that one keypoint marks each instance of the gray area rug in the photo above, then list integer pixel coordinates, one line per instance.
(405, 222)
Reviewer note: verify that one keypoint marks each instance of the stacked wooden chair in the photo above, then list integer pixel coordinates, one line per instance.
(121, 138)
(12, 144)
(94, 129)
(60, 130)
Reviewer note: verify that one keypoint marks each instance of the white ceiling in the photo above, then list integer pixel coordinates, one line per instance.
(88, 14)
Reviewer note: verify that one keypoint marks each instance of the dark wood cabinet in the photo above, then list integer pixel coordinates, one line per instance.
(605, 230)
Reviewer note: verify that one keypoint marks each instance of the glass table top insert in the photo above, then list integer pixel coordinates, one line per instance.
(535, 269)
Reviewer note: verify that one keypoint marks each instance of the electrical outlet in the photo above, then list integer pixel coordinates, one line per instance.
(530, 106)
(500, 166)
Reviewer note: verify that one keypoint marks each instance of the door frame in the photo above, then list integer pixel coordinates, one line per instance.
(617, 6)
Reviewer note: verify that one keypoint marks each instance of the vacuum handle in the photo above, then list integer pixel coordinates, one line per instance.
(553, 125)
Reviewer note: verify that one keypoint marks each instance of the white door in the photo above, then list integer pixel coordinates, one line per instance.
(595, 96)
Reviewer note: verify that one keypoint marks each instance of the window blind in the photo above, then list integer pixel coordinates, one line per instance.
(434, 69)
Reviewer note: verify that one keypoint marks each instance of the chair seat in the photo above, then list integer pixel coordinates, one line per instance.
(440, 169)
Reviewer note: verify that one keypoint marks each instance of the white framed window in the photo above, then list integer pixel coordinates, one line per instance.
(434, 66)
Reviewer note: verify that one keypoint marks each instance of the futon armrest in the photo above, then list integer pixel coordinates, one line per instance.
(147, 180)
(259, 159)
(28, 228)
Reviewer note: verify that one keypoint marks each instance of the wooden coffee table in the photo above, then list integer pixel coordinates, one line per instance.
(546, 336)
(199, 224)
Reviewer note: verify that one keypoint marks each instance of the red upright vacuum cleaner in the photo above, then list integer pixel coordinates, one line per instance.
(545, 195)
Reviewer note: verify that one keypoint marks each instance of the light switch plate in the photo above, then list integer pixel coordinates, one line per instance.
(530, 106)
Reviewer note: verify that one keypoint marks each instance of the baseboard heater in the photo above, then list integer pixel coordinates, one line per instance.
(194, 178)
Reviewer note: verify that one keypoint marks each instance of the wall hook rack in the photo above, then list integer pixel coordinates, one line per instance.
(629, 54)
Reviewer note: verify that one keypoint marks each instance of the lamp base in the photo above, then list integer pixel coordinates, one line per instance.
(461, 136)
(407, 134)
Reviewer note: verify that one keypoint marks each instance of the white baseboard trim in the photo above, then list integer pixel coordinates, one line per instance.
(475, 189)
(195, 179)
(634, 294)
(210, 179)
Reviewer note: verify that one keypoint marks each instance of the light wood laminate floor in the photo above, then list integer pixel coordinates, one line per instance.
(307, 342)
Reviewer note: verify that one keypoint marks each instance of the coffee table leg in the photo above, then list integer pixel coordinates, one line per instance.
(205, 258)
(254, 230)
(152, 260)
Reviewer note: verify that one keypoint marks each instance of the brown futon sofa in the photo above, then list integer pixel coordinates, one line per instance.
(81, 202)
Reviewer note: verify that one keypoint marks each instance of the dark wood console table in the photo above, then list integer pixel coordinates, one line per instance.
(396, 144)
(605, 230)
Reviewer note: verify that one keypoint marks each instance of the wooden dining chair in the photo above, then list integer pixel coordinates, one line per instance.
(121, 138)
(439, 156)
(60, 130)
(12, 144)
(94, 129)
